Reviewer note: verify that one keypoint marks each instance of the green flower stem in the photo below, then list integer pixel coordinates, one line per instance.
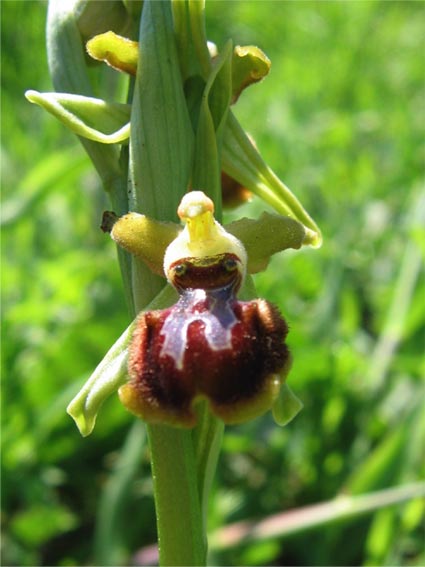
(181, 533)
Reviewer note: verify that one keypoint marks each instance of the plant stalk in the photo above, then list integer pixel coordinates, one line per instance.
(160, 162)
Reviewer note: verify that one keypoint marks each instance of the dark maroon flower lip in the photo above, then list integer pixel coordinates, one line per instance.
(207, 346)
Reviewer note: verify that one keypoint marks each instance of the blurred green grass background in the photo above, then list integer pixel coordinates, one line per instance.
(341, 120)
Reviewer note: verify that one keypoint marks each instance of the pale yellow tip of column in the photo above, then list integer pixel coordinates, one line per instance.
(194, 204)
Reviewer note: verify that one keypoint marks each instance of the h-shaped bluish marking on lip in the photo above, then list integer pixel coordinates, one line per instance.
(218, 319)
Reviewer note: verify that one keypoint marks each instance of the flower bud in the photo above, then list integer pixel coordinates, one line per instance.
(233, 193)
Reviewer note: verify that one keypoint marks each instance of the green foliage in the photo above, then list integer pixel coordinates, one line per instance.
(340, 118)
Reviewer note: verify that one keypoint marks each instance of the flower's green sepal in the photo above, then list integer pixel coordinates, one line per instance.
(242, 161)
(142, 236)
(287, 406)
(118, 52)
(266, 236)
(249, 65)
(91, 118)
(109, 375)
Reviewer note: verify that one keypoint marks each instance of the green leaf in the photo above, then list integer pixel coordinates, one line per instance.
(134, 8)
(69, 73)
(36, 525)
(92, 118)
(189, 25)
(212, 118)
(114, 503)
(161, 132)
(198, 34)
(380, 535)
(341, 509)
(385, 463)
(46, 175)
